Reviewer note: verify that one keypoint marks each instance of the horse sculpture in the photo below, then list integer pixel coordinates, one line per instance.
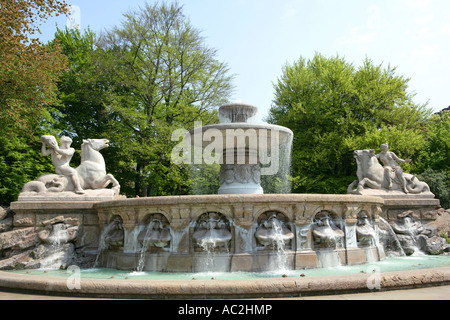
(91, 172)
(372, 175)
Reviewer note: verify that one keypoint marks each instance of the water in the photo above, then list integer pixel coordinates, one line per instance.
(102, 244)
(208, 245)
(56, 251)
(282, 264)
(329, 259)
(141, 263)
(391, 264)
(393, 237)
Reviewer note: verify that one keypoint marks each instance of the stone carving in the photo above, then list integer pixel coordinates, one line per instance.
(241, 173)
(388, 179)
(408, 228)
(56, 249)
(61, 156)
(156, 233)
(273, 231)
(90, 175)
(325, 232)
(365, 233)
(114, 238)
(212, 232)
(59, 230)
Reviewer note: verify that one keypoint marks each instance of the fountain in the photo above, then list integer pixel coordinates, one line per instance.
(245, 150)
(240, 229)
(274, 234)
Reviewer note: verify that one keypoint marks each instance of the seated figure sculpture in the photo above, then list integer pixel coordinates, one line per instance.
(61, 157)
(90, 175)
(374, 179)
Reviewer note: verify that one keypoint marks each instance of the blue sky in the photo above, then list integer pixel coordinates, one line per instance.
(256, 38)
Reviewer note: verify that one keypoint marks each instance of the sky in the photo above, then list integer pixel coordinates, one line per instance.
(256, 38)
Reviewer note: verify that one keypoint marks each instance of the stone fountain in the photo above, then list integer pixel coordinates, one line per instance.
(245, 150)
(239, 229)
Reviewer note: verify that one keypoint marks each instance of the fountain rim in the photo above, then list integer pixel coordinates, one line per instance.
(245, 126)
(286, 134)
(236, 199)
(224, 289)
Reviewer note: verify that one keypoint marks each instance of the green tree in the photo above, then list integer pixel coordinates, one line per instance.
(160, 77)
(335, 108)
(81, 112)
(433, 162)
(29, 70)
(20, 162)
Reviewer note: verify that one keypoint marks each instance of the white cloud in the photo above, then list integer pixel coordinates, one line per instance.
(374, 20)
(357, 36)
(418, 4)
(446, 29)
(424, 20)
(425, 51)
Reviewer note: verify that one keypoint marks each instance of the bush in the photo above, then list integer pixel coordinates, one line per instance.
(439, 182)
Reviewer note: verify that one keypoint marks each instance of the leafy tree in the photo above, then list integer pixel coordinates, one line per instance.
(28, 69)
(335, 108)
(435, 153)
(20, 162)
(81, 113)
(160, 76)
(433, 162)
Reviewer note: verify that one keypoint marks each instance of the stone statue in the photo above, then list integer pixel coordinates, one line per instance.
(374, 179)
(61, 157)
(390, 162)
(88, 177)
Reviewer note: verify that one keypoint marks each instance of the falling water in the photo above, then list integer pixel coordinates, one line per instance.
(56, 251)
(394, 238)
(329, 258)
(102, 243)
(411, 228)
(279, 245)
(141, 263)
(280, 183)
(208, 245)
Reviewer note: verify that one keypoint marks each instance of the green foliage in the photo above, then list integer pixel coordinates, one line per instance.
(435, 153)
(335, 108)
(439, 182)
(446, 237)
(20, 162)
(81, 113)
(160, 77)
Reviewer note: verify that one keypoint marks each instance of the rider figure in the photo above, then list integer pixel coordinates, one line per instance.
(389, 160)
(61, 157)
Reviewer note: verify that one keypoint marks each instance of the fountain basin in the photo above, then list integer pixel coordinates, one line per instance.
(111, 284)
(241, 214)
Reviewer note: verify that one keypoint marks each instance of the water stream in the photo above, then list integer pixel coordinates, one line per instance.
(102, 245)
(393, 237)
